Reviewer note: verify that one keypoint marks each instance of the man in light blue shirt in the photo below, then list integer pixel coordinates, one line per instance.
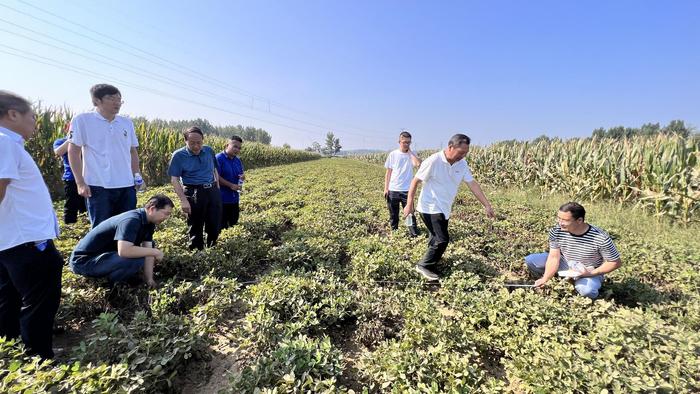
(30, 265)
(194, 177)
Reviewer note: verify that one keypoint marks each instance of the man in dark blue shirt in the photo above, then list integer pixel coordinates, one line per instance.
(74, 203)
(119, 247)
(194, 177)
(231, 178)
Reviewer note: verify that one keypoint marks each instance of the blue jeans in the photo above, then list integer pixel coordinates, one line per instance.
(110, 265)
(587, 287)
(105, 203)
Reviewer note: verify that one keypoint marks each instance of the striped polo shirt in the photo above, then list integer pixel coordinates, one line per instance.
(591, 248)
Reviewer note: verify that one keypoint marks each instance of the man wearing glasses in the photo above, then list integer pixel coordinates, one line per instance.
(103, 156)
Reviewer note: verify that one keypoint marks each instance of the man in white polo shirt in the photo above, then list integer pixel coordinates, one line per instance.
(441, 174)
(103, 156)
(399, 172)
(30, 265)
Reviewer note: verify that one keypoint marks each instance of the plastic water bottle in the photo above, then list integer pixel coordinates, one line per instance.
(409, 221)
(240, 184)
(138, 183)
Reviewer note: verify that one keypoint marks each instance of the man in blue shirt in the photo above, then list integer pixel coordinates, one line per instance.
(194, 177)
(74, 203)
(121, 246)
(231, 178)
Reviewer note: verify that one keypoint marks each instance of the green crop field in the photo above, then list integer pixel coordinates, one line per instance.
(313, 293)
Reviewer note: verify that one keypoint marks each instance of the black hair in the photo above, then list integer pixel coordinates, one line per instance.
(159, 201)
(577, 210)
(236, 138)
(193, 129)
(10, 101)
(405, 134)
(102, 89)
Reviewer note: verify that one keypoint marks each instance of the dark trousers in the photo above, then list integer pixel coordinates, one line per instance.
(230, 215)
(439, 238)
(206, 212)
(74, 204)
(395, 201)
(30, 291)
(105, 203)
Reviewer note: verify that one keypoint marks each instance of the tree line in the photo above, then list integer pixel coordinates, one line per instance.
(330, 148)
(247, 133)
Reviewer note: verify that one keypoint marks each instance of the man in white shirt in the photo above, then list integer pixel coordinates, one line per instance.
(441, 174)
(30, 265)
(399, 172)
(103, 156)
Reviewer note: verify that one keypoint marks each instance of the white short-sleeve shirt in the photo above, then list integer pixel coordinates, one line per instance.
(401, 170)
(106, 148)
(26, 211)
(441, 181)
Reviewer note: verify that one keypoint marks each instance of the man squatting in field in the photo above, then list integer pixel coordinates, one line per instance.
(441, 174)
(195, 166)
(122, 246)
(574, 241)
(399, 172)
(103, 156)
(30, 265)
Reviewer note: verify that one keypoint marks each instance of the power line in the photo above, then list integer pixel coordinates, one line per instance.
(190, 72)
(82, 71)
(145, 73)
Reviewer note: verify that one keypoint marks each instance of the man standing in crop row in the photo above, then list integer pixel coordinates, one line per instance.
(103, 156)
(441, 175)
(399, 172)
(30, 265)
(194, 177)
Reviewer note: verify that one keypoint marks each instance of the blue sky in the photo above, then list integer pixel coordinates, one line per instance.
(365, 69)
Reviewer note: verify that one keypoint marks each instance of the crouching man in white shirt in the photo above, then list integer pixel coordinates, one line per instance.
(441, 174)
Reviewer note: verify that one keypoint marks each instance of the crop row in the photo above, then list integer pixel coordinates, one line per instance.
(325, 299)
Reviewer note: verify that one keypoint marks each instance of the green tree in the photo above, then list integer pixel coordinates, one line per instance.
(332, 145)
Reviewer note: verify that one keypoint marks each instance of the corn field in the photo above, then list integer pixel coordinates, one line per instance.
(156, 145)
(659, 174)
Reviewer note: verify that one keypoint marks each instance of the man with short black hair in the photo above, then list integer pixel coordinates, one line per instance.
(577, 250)
(231, 176)
(399, 172)
(441, 174)
(30, 265)
(103, 156)
(74, 203)
(194, 177)
(122, 246)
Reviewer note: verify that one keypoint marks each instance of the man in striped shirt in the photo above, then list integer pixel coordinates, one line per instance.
(576, 247)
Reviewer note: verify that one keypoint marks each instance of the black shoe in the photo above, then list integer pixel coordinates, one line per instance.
(427, 274)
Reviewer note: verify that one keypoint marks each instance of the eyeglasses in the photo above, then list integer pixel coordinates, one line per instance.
(113, 99)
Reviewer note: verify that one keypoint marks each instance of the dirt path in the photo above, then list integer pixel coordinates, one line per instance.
(214, 375)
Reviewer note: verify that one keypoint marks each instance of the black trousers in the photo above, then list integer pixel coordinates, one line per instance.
(230, 215)
(439, 238)
(30, 291)
(74, 204)
(205, 215)
(395, 201)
